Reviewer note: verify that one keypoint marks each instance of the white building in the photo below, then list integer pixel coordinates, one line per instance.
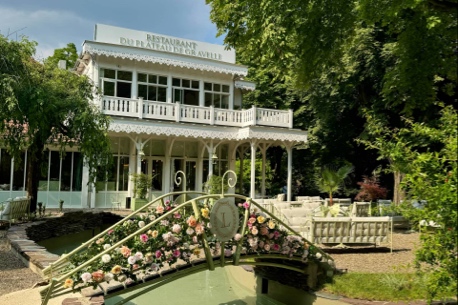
(176, 104)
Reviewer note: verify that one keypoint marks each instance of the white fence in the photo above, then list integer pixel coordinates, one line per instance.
(116, 106)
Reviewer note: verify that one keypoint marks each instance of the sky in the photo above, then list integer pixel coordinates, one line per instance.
(54, 23)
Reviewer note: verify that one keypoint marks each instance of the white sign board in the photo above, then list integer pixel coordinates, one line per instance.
(163, 43)
(224, 219)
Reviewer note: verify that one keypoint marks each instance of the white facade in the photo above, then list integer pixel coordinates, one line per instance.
(175, 104)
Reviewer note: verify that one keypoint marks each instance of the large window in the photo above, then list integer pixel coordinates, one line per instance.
(216, 95)
(116, 82)
(65, 174)
(186, 91)
(152, 87)
(5, 170)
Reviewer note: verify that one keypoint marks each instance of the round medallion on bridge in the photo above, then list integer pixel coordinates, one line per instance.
(224, 219)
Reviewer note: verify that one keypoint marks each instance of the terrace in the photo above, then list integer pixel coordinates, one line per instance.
(139, 108)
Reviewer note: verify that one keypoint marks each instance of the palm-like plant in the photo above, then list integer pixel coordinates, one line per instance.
(331, 180)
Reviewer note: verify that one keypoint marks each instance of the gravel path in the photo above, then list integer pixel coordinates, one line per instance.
(379, 259)
(13, 273)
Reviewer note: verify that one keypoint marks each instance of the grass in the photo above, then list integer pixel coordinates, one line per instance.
(381, 286)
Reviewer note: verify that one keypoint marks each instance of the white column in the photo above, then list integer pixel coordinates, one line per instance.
(134, 93)
(132, 166)
(289, 149)
(201, 94)
(253, 169)
(263, 170)
(139, 146)
(210, 160)
(25, 175)
(199, 168)
(85, 187)
(231, 95)
(169, 88)
(167, 168)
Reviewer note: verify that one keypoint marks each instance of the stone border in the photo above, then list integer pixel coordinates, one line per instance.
(36, 257)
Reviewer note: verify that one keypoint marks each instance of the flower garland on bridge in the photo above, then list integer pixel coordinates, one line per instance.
(177, 237)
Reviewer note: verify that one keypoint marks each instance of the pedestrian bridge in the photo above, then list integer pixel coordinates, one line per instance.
(179, 234)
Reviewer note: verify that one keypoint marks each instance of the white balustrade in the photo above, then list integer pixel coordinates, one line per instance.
(119, 106)
(195, 114)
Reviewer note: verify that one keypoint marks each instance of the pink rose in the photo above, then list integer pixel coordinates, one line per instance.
(144, 238)
(158, 254)
(192, 222)
(254, 231)
(264, 231)
(159, 209)
(125, 251)
(98, 276)
(176, 228)
(246, 205)
(199, 229)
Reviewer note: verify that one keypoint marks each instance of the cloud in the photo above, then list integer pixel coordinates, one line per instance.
(50, 28)
(53, 24)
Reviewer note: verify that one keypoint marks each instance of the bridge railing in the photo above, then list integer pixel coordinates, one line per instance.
(169, 234)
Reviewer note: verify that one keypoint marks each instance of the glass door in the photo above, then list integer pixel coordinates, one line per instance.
(189, 168)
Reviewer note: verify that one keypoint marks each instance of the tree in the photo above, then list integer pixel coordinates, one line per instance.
(42, 106)
(347, 57)
(428, 155)
(331, 180)
(68, 53)
(370, 188)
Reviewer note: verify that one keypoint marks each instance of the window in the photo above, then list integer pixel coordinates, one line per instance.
(116, 83)
(152, 87)
(216, 95)
(186, 91)
(5, 170)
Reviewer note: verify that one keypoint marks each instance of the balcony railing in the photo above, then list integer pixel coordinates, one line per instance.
(177, 112)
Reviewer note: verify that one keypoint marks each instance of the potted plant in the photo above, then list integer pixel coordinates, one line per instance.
(61, 205)
(142, 183)
(331, 180)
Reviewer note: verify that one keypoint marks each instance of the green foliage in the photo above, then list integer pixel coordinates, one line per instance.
(331, 61)
(142, 183)
(68, 53)
(43, 105)
(331, 179)
(383, 286)
(428, 155)
(258, 177)
(213, 185)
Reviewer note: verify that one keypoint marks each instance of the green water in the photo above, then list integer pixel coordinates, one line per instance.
(65, 244)
(204, 288)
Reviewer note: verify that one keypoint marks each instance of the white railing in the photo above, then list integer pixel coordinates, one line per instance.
(116, 106)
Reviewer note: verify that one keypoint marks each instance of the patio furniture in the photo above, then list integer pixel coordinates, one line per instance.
(14, 209)
(361, 209)
(349, 230)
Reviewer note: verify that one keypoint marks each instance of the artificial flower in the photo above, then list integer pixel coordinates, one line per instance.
(86, 277)
(144, 238)
(98, 276)
(116, 269)
(106, 258)
(68, 283)
(191, 221)
(125, 251)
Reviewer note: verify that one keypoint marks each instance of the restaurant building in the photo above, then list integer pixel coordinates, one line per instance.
(176, 105)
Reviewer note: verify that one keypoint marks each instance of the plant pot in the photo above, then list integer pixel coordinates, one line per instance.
(137, 203)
